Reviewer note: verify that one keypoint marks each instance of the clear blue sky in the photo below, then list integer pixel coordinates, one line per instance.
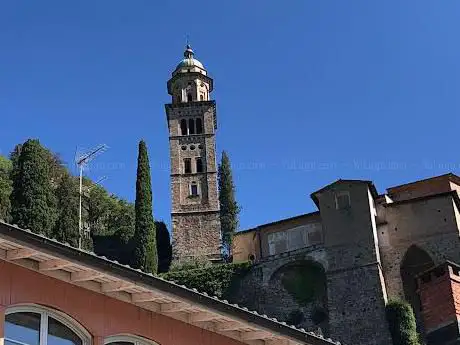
(307, 91)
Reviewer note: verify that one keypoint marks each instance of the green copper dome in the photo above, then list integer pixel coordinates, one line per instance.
(189, 61)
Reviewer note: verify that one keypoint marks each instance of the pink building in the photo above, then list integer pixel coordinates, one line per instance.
(54, 294)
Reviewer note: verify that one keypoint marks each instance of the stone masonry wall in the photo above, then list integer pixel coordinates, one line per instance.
(199, 234)
(429, 224)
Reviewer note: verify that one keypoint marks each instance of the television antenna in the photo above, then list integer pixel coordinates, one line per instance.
(82, 161)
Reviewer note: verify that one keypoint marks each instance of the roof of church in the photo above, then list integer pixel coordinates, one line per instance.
(370, 184)
(53, 258)
(450, 176)
(313, 215)
(189, 59)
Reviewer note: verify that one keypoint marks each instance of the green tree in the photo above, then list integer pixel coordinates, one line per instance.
(145, 254)
(6, 187)
(229, 208)
(121, 221)
(66, 227)
(402, 324)
(33, 203)
(164, 247)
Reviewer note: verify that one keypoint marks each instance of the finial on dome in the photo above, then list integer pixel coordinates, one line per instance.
(188, 52)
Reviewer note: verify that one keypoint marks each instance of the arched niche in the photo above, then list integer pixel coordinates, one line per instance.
(305, 282)
(414, 262)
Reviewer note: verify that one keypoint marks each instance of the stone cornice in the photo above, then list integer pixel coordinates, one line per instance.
(183, 213)
(195, 174)
(206, 135)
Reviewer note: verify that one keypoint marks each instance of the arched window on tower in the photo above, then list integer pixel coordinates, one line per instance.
(191, 126)
(189, 97)
(183, 126)
(199, 165)
(194, 189)
(199, 126)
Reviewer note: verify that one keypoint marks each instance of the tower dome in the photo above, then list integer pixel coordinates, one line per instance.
(189, 63)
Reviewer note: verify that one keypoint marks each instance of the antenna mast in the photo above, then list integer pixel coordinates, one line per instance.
(82, 162)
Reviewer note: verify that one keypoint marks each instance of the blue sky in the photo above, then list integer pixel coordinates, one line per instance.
(307, 91)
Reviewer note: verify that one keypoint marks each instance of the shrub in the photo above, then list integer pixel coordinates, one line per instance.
(216, 280)
(402, 324)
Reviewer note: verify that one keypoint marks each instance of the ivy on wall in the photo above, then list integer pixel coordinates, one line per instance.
(304, 282)
(216, 280)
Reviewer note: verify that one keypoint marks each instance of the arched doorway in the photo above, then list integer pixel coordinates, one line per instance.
(415, 261)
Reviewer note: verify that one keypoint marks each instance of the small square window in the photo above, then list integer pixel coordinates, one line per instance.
(342, 200)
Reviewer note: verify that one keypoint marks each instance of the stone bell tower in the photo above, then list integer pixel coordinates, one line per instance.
(192, 124)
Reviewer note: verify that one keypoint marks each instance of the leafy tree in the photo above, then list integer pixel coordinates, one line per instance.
(145, 254)
(121, 221)
(6, 187)
(33, 203)
(164, 247)
(98, 207)
(66, 227)
(229, 208)
(402, 324)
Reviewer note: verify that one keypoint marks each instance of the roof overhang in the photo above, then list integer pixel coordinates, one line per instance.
(89, 271)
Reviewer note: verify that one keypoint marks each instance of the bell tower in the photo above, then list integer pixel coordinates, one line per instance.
(192, 124)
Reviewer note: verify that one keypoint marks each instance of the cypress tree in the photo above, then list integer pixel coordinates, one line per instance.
(145, 254)
(164, 247)
(33, 203)
(229, 208)
(66, 227)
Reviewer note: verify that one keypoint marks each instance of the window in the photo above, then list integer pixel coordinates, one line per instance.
(183, 127)
(127, 340)
(187, 166)
(342, 200)
(199, 126)
(201, 97)
(199, 165)
(193, 189)
(34, 325)
(189, 97)
(191, 126)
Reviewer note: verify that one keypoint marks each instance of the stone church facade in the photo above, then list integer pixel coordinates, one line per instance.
(332, 270)
(361, 249)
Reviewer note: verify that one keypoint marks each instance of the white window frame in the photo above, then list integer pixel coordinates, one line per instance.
(198, 189)
(45, 313)
(135, 339)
